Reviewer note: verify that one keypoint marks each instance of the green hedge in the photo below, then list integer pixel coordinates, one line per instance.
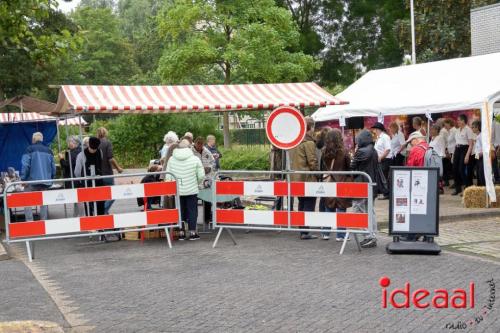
(245, 158)
(249, 136)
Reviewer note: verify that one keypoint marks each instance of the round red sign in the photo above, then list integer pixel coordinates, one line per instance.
(286, 127)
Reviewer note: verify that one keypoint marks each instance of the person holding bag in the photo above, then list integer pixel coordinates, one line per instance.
(335, 158)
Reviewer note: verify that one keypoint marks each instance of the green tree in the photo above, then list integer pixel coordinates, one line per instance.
(105, 57)
(442, 28)
(229, 41)
(360, 35)
(33, 37)
(140, 27)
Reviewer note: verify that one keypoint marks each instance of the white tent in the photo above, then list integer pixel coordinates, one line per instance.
(441, 86)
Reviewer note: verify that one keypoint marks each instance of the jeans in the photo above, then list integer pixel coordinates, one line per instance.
(307, 204)
(108, 203)
(361, 206)
(189, 210)
(28, 211)
(335, 210)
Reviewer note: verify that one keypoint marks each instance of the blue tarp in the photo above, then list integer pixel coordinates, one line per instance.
(16, 137)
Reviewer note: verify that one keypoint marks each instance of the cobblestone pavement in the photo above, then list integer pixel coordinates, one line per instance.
(269, 282)
(481, 236)
(23, 298)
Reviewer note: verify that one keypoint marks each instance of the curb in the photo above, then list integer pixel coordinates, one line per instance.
(3, 253)
(454, 218)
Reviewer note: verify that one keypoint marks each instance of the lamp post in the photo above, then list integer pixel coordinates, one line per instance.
(413, 52)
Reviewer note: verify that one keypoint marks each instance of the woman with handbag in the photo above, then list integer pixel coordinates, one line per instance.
(335, 158)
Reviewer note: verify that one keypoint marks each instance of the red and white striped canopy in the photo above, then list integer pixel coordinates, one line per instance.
(159, 99)
(17, 117)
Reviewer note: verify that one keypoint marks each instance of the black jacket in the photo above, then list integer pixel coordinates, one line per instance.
(365, 159)
(66, 167)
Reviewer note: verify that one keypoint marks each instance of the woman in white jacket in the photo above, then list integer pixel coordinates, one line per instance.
(189, 172)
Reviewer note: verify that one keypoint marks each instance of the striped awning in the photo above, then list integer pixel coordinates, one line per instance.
(18, 117)
(194, 98)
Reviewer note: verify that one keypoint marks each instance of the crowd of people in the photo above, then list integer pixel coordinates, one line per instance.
(192, 161)
(455, 148)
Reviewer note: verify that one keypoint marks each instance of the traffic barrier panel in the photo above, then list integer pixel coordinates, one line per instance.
(351, 222)
(30, 231)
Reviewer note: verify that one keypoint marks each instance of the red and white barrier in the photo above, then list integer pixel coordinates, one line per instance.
(30, 231)
(91, 223)
(299, 189)
(349, 222)
(298, 219)
(80, 195)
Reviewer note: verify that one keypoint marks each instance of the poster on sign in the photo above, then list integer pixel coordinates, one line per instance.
(419, 192)
(414, 202)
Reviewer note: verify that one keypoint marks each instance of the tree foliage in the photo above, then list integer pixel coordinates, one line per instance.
(34, 36)
(106, 57)
(232, 41)
(442, 28)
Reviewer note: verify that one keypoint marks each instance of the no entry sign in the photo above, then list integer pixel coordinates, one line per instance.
(286, 127)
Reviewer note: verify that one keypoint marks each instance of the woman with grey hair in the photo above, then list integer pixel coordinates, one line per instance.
(68, 159)
(170, 138)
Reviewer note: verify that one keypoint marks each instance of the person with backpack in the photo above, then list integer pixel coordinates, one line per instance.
(419, 147)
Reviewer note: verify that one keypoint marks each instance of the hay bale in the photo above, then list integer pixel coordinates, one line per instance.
(475, 197)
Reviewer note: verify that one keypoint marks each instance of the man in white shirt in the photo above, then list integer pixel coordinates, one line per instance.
(383, 148)
(462, 158)
(478, 153)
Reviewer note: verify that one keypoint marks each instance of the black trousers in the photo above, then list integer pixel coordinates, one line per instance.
(447, 169)
(307, 204)
(189, 210)
(462, 172)
(481, 181)
(385, 164)
(399, 160)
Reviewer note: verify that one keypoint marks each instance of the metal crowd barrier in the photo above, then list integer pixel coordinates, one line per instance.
(97, 225)
(289, 220)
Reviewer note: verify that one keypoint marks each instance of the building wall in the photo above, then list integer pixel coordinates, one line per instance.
(485, 29)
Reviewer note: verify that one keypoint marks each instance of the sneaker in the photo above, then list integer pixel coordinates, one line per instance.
(182, 236)
(371, 242)
(194, 237)
(341, 239)
(325, 237)
(307, 236)
(364, 241)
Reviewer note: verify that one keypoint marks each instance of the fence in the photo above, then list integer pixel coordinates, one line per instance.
(350, 223)
(82, 226)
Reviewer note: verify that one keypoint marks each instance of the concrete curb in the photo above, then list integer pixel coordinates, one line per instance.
(455, 218)
(3, 253)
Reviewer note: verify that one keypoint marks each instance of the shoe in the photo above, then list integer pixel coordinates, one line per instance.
(341, 239)
(194, 237)
(182, 236)
(456, 193)
(385, 197)
(372, 242)
(307, 236)
(325, 237)
(364, 241)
